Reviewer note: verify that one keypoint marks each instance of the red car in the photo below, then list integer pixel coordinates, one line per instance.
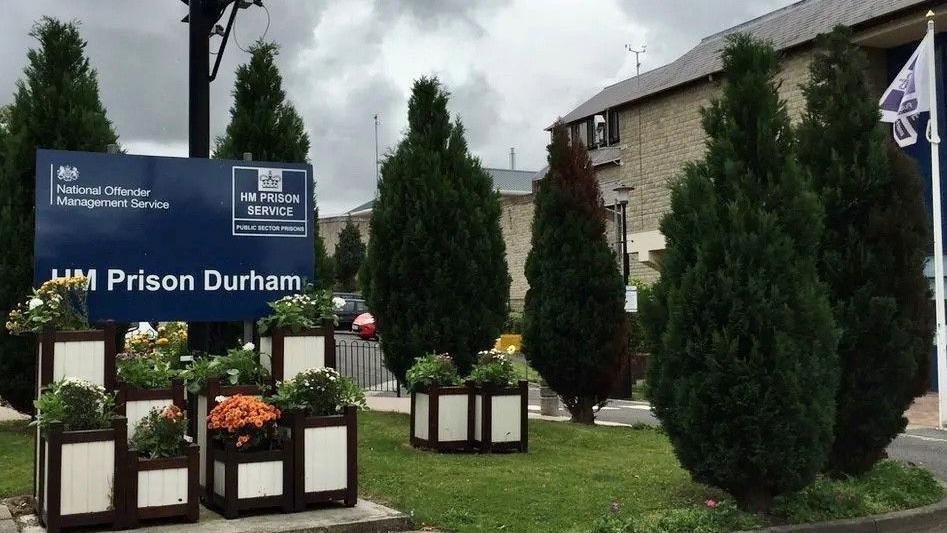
(364, 326)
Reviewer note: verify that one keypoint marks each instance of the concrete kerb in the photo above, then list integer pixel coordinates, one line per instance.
(928, 519)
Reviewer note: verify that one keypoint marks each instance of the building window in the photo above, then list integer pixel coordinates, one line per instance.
(574, 133)
(613, 134)
(590, 132)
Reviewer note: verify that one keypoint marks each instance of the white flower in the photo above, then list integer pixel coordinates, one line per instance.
(35, 302)
(219, 399)
(248, 346)
(339, 303)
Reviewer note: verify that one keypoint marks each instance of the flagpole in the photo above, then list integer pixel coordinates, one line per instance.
(934, 137)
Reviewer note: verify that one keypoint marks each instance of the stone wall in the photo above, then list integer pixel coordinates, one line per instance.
(331, 227)
(516, 220)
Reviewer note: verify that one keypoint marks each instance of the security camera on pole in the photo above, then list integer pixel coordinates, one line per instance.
(913, 91)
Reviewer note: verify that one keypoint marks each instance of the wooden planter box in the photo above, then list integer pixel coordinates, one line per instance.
(80, 477)
(163, 488)
(199, 405)
(442, 418)
(134, 403)
(88, 355)
(500, 418)
(324, 456)
(239, 481)
(286, 353)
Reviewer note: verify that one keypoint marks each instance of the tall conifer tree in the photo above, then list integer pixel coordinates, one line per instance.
(744, 372)
(435, 276)
(574, 331)
(56, 105)
(265, 124)
(349, 254)
(871, 256)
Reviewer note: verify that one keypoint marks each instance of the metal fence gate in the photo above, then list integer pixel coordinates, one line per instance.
(362, 362)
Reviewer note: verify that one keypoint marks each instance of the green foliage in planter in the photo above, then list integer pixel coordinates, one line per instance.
(58, 305)
(160, 433)
(77, 404)
(349, 255)
(432, 370)
(240, 366)
(744, 371)
(56, 105)
(296, 312)
(574, 334)
(147, 371)
(872, 255)
(318, 392)
(494, 369)
(435, 276)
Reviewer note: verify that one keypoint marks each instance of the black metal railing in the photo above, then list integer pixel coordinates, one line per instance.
(362, 361)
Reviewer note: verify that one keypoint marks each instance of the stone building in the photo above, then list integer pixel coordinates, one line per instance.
(642, 130)
(515, 188)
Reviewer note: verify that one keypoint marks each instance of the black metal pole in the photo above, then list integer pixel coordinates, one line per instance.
(624, 240)
(199, 25)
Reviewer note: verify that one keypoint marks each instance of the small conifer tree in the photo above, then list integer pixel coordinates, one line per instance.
(574, 323)
(435, 275)
(871, 256)
(56, 105)
(349, 254)
(744, 372)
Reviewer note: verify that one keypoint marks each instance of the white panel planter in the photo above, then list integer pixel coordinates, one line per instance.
(163, 488)
(199, 406)
(500, 418)
(135, 403)
(286, 353)
(81, 478)
(325, 457)
(442, 418)
(239, 481)
(87, 355)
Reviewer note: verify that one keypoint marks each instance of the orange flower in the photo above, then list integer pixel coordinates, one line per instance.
(240, 414)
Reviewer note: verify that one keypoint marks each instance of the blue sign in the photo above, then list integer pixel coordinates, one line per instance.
(165, 238)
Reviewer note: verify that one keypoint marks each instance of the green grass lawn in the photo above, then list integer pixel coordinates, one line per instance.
(565, 483)
(572, 473)
(568, 479)
(16, 458)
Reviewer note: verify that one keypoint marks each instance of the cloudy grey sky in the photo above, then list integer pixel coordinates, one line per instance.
(512, 67)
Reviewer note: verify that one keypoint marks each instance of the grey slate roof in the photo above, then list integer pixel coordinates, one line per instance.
(507, 180)
(790, 26)
(504, 180)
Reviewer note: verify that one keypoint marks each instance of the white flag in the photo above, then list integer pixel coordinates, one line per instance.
(908, 96)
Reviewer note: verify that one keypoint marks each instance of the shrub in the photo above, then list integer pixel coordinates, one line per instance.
(318, 392)
(241, 366)
(300, 311)
(145, 371)
(432, 370)
(494, 369)
(59, 304)
(744, 373)
(77, 404)
(248, 421)
(160, 433)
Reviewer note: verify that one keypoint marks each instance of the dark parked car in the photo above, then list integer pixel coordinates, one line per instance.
(353, 307)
